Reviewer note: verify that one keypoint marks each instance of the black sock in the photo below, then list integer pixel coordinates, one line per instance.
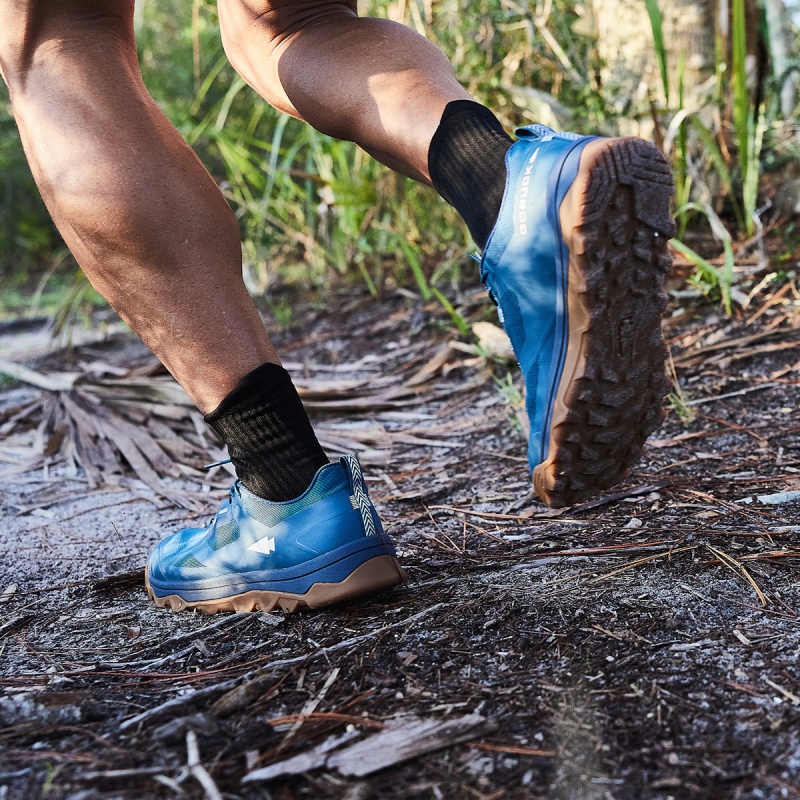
(467, 163)
(270, 440)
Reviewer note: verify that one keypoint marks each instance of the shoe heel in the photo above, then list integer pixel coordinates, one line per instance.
(380, 572)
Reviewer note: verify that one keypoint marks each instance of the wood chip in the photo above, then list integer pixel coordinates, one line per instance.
(407, 738)
(493, 340)
(51, 382)
(403, 738)
(741, 637)
(302, 762)
(780, 498)
(8, 592)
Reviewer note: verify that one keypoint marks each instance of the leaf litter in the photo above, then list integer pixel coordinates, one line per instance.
(643, 644)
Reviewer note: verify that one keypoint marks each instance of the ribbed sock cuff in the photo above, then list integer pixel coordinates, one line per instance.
(466, 160)
(270, 439)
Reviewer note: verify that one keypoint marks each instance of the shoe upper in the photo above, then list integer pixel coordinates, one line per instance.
(525, 266)
(250, 534)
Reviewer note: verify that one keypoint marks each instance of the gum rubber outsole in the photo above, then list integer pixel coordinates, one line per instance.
(610, 395)
(380, 572)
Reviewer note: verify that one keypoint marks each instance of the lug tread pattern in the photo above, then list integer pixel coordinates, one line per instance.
(618, 260)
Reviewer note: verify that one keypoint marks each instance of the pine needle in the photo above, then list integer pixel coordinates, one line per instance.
(739, 569)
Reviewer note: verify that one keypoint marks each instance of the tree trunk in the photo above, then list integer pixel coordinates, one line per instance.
(693, 30)
(779, 26)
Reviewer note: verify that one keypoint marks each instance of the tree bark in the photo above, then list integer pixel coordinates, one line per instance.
(693, 30)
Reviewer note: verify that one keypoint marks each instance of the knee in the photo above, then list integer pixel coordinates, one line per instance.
(32, 30)
(16, 41)
(255, 32)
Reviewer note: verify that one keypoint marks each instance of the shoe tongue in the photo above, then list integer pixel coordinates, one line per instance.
(225, 507)
(535, 132)
(544, 134)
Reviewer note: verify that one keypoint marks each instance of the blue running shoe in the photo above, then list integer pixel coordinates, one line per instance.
(327, 545)
(576, 264)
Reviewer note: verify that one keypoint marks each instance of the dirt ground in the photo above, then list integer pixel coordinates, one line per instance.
(643, 645)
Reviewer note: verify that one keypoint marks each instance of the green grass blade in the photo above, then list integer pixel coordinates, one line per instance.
(458, 319)
(416, 269)
(710, 275)
(751, 177)
(715, 154)
(656, 23)
(742, 113)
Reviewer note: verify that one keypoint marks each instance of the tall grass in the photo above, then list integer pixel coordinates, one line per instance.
(26, 233)
(312, 208)
(660, 49)
(733, 154)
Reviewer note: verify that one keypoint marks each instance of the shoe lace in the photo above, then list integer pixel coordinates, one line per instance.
(234, 491)
(207, 467)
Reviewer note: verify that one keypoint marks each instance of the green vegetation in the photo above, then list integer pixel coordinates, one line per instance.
(738, 173)
(312, 208)
(26, 236)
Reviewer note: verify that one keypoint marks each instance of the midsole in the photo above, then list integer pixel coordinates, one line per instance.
(562, 259)
(331, 567)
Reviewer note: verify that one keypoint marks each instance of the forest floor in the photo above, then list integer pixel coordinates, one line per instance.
(642, 645)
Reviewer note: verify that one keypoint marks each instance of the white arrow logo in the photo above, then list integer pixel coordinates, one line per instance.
(265, 545)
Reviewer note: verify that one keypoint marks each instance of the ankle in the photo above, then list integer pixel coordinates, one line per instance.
(270, 439)
(467, 164)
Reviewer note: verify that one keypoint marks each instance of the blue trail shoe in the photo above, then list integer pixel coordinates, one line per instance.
(576, 264)
(327, 545)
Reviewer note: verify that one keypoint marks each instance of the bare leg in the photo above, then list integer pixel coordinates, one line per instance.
(138, 210)
(140, 213)
(372, 81)
(386, 88)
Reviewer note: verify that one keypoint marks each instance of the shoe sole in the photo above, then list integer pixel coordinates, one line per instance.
(609, 397)
(380, 572)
